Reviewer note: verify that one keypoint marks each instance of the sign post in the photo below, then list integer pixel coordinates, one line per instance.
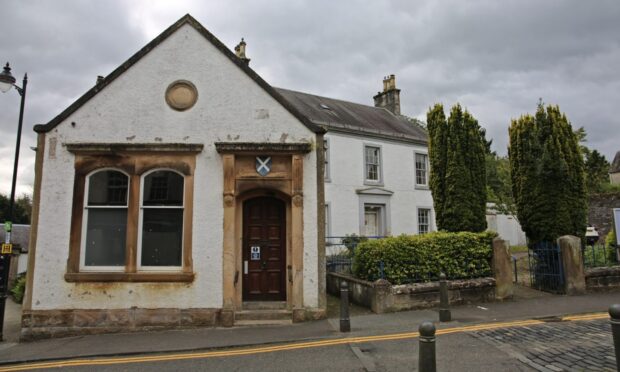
(5, 263)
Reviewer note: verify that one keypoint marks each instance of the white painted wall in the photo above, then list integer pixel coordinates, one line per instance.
(507, 227)
(347, 175)
(132, 109)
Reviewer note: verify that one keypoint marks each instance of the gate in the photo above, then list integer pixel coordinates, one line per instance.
(545, 261)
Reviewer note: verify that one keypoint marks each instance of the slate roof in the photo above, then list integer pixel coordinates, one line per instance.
(20, 236)
(343, 116)
(615, 165)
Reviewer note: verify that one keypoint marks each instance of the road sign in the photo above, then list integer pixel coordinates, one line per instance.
(8, 226)
(7, 248)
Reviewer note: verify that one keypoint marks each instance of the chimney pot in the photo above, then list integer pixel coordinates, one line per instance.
(240, 51)
(99, 79)
(390, 97)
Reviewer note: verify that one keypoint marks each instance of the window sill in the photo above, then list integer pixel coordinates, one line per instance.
(422, 187)
(130, 277)
(373, 183)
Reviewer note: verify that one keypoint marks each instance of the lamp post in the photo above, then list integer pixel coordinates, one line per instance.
(6, 82)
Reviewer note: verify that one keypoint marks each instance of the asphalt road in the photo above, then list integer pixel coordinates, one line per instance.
(573, 345)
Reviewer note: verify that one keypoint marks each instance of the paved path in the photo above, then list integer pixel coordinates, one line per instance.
(557, 346)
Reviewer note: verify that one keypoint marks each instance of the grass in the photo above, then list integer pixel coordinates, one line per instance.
(518, 249)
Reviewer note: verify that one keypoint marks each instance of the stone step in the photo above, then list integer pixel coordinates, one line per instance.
(256, 323)
(262, 315)
(264, 305)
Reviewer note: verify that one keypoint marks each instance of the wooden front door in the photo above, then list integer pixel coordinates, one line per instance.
(264, 250)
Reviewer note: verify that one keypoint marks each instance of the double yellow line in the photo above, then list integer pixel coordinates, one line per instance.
(293, 346)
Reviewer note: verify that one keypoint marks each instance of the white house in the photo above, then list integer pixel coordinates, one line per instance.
(180, 190)
(376, 165)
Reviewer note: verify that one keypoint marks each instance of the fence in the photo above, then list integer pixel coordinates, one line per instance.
(341, 251)
(546, 271)
(597, 255)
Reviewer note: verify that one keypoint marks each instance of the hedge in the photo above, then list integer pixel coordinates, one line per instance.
(416, 258)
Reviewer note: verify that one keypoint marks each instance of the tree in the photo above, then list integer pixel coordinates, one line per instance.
(499, 184)
(596, 171)
(23, 208)
(457, 148)
(547, 172)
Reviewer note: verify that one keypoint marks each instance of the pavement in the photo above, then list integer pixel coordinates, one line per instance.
(528, 304)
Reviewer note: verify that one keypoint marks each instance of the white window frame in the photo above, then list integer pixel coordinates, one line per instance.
(328, 219)
(326, 153)
(430, 219)
(415, 173)
(379, 180)
(140, 224)
(85, 215)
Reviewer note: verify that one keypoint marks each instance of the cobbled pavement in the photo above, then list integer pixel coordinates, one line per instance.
(557, 346)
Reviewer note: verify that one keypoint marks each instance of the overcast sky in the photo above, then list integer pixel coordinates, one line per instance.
(497, 58)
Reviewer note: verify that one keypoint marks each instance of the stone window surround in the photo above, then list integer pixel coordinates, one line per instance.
(421, 186)
(379, 180)
(135, 160)
(375, 196)
(431, 226)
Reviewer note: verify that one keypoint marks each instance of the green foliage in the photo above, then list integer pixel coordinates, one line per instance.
(610, 246)
(547, 173)
(19, 288)
(457, 149)
(596, 171)
(351, 242)
(23, 208)
(499, 184)
(423, 257)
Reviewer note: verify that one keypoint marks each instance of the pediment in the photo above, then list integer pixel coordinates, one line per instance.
(374, 191)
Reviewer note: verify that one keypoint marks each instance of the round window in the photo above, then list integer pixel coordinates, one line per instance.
(181, 95)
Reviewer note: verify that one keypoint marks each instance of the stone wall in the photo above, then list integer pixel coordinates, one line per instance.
(38, 324)
(603, 278)
(600, 211)
(382, 297)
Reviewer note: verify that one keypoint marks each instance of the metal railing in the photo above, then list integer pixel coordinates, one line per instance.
(546, 271)
(597, 255)
(340, 251)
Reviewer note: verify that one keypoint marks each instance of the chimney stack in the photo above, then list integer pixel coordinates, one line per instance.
(99, 79)
(390, 97)
(240, 52)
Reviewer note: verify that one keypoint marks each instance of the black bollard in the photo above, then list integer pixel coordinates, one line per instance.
(614, 312)
(345, 322)
(426, 359)
(444, 303)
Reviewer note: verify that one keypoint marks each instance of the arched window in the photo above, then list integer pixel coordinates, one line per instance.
(105, 222)
(161, 220)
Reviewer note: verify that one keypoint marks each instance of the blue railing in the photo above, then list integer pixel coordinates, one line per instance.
(546, 270)
(340, 251)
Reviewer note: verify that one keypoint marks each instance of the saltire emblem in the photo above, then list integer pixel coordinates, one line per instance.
(263, 165)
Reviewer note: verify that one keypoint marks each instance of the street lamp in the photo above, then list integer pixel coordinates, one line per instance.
(6, 82)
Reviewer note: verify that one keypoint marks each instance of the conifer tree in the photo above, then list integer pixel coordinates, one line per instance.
(547, 175)
(458, 175)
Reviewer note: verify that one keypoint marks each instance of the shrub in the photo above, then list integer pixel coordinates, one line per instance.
(352, 241)
(610, 246)
(409, 258)
(19, 288)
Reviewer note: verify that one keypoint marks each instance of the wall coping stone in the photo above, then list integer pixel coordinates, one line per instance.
(603, 271)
